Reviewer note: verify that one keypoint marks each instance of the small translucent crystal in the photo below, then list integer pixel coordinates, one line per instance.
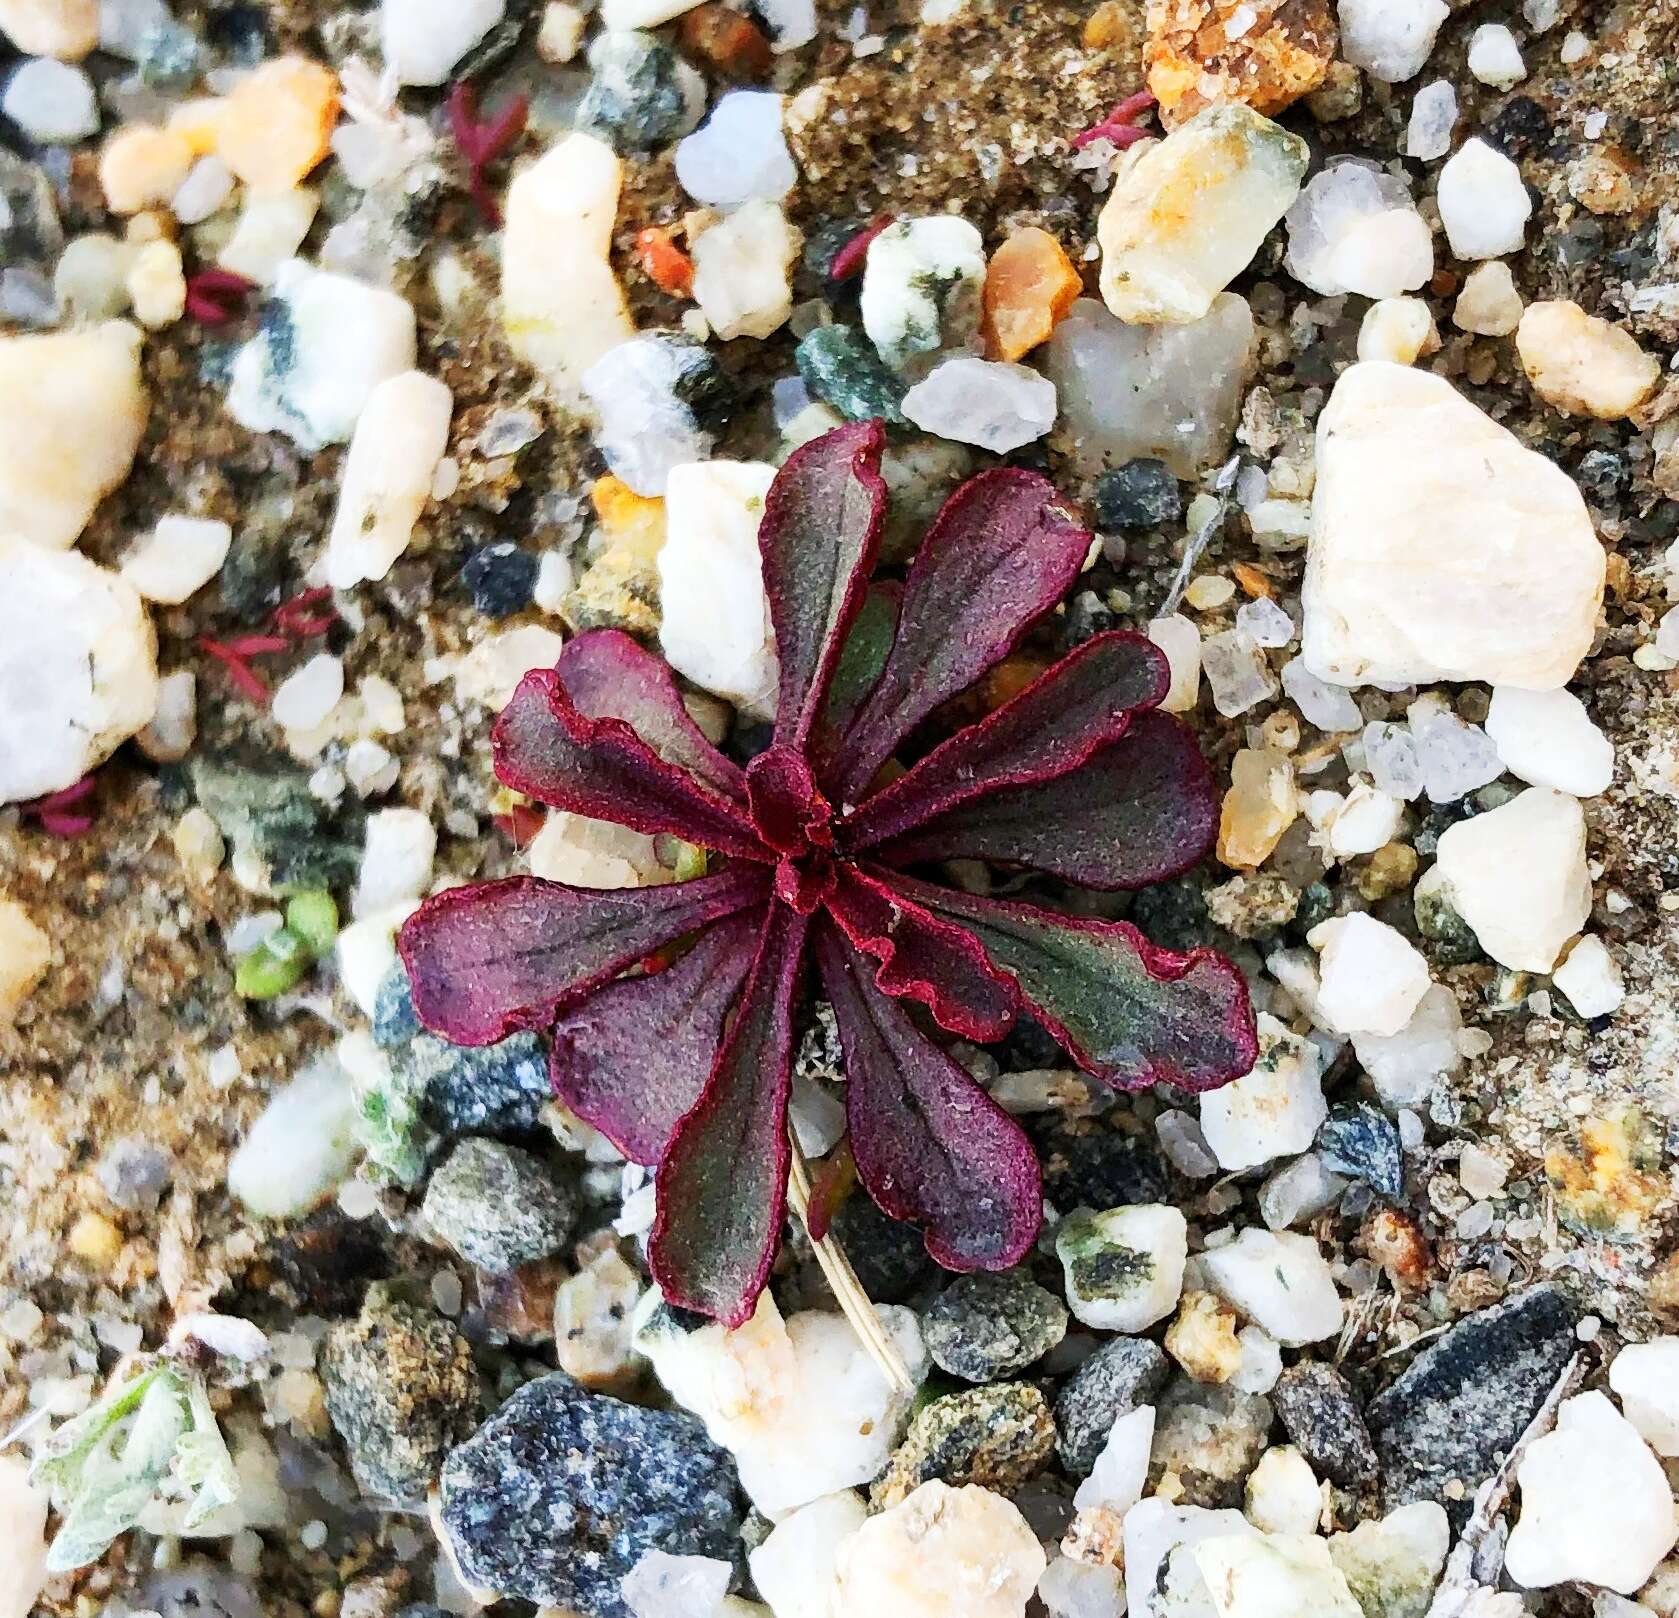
(664, 1586)
(1456, 757)
(1433, 115)
(1265, 623)
(1237, 671)
(1329, 707)
(1390, 752)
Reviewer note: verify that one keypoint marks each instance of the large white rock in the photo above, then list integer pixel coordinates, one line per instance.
(941, 1553)
(800, 1403)
(1186, 216)
(1370, 977)
(51, 102)
(1390, 39)
(1274, 1110)
(23, 1531)
(562, 306)
(1274, 1576)
(311, 375)
(1483, 204)
(1517, 875)
(72, 409)
(1645, 1376)
(1549, 740)
(424, 39)
(400, 437)
(1278, 1280)
(78, 668)
(1172, 392)
(1441, 548)
(1154, 1530)
(794, 1568)
(1123, 1268)
(300, 1147)
(1596, 1505)
(715, 627)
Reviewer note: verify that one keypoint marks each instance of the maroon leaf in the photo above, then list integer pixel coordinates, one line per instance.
(1000, 553)
(1127, 1012)
(722, 1186)
(788, 811)
(820, 531)
(1142, 810)
(634, 1056)
(923, 958)
(866, 650)
(931, 1146)
(496, 956)
(547, 747)
(1052, 727)
(608, 675)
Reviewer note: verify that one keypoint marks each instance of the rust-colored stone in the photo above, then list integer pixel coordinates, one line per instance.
(1268, 53)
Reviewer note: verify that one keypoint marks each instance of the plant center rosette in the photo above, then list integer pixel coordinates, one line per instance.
(815, 863)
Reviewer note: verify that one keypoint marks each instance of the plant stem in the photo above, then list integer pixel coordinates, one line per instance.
(853, 1300)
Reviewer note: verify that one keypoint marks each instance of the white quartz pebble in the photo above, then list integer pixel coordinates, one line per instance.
(399, 439)
(1397, 329)
(1282, 1494)
(661, 1585)
(921, 287)
(424, 39)
(1494, 56)
(1353, 229)
(1489, 304)
(1274, 1110)
(302, 1144)
(941, 1553)
(205, 191)
(78, 668)
(1517, 876)
(1178, 637)
(1116, 1481)
(1549, 740)
(1393, 1563)
(1070, 1588)
(1370, 976)
(794, 1567)
(307, 695)
(1274, 1576)
(1645, 1377)
(801, 1404)
(988, 403)
(741, 270)
(1154, 1529)
(1442, 548)
(715, 629)
(1433, 114)
(396, 860)
(341, 339)
(1591, 978)
(1483, 202)
(1390, 39)
(52, 102)
(270, 229)
(1405, 1067)
(1583, 364)
(1457, 758)
(1595, 1504)
(1278, 1280)
(738, 154)
(72, 409)
(562, 306)
(178, 557)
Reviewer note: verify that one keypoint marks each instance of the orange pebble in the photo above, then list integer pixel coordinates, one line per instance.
(1030, 284)
(199, 123)
(667, 266)
(142, 167)
(277, 123)
(729, 42)
(628, 517)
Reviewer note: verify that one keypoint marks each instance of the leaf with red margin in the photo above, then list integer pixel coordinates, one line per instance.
(931, 1146)
(788, 810)
(608, 675)
(821, 528)
(547, 748)
(922, 958)
(722, 1186)
(487, 959)
(1127, 1012)
(1142, 810)
(1001, 552)
(632, 1058)
(1084, 703)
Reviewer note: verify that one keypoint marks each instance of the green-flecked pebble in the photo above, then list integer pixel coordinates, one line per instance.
(841, 368)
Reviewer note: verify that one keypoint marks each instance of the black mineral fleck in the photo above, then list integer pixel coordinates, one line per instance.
(563, 1491)
(1140, 494)
(501, 579)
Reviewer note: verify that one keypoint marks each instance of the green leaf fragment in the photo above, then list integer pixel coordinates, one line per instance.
(277, 964)
(313, 917)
